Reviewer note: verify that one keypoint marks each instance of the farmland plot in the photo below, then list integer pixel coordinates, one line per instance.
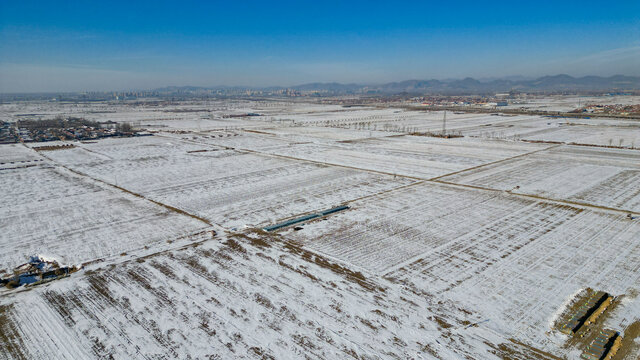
(16, 155)
(568, 103)
(433, 121)
(622, 136)
(383, 232)
(240, 298)
(417, 156)
(247, 140)
(607, 132)
(518, 272)
(200, 122)
(337, 116)
(324, 134)
(53, 211)
(227, 187)
(510, 262)
(510, 127)
(396, 120)
(604, 177)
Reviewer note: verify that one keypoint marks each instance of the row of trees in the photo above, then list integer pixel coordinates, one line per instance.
(61, 122)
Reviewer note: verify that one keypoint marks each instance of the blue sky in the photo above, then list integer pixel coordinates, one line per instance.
(75, 46)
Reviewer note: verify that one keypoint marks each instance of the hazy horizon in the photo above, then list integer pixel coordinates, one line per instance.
(69, 47)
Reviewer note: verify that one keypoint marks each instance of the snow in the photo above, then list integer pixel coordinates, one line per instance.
(451, 248)
(50, 209)
(598, 176)
(230, 188)
(265, 299)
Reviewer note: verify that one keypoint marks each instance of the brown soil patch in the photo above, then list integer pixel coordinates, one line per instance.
(515, 349)
(9, 335)
(53, 147)
(629, 349)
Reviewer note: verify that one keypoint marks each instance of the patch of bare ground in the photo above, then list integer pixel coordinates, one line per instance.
(10, 340)
(196, 267)
(516, 350)
(164, 269)
(60, 304)
(438, 135)
(428, 349)
(53, 147)
(98, 285)
(354, 276)
(441, 322)
(385, 315)
(263, 300)
(160, 296)
(235, 246)
(254, 236)
(260, 353)
(303, 341)
(300, 271)
(100, 349)
(204, 323)
(630, 348)
(367, 323)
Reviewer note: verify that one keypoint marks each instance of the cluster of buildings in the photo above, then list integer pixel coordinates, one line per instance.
(615, 109)
(35, 131)
(73, 133)
(461, 101)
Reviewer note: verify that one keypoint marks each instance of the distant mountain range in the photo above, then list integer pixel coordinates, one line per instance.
(463, 86)
(470, 85)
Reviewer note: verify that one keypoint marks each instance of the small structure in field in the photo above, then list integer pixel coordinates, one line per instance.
(604, 346)
(588, 309)
(38, 270)
(305, 218)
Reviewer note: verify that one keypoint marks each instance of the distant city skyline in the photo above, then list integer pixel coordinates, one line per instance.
(79, 46)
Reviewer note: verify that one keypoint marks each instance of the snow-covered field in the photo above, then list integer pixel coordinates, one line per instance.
(231, 298)
(382, 232)
(598, 176)
(48, 209)
(418, 156)
(15, 155)
(568, 103)
(230, 188)
(506, 260)
(618, 136)
(458, 248)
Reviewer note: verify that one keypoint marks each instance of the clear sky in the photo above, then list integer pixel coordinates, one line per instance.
(135, 44)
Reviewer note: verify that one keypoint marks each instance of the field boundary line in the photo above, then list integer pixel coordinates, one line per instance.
(407, 263)
(168, 207)
(297, 159)
(359, 168)
(495, 162)
(438, 180)
(575, 204)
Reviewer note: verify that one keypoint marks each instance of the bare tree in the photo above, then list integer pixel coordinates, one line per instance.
(124, 127)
